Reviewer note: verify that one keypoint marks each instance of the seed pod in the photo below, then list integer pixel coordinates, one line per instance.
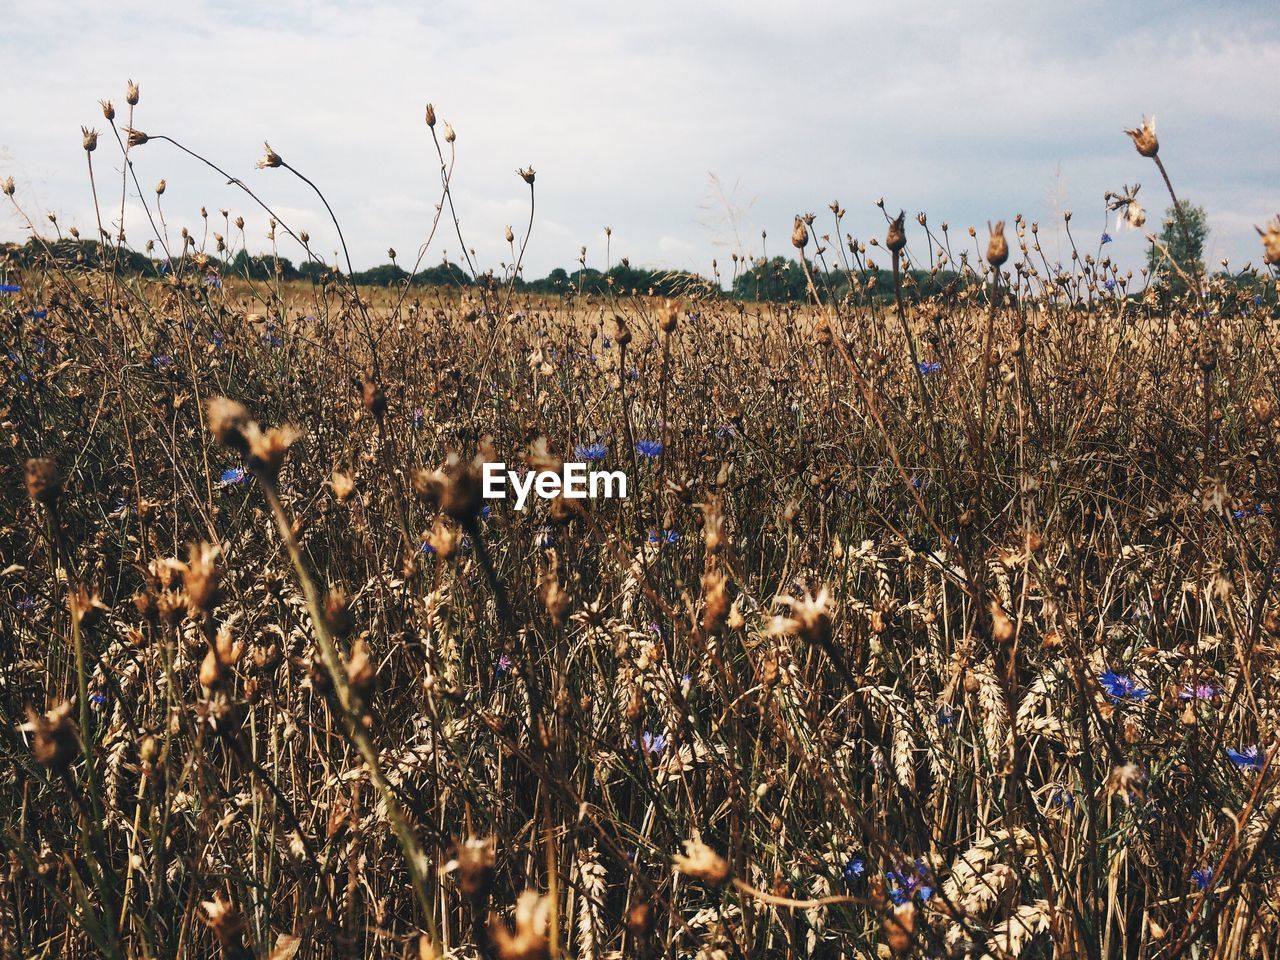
(44, 483)
(1144, 137)
(897, 236)
(799, 234)
(55, 741)
(997, 246)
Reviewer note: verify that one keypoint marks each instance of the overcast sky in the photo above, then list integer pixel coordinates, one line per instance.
(686, 127)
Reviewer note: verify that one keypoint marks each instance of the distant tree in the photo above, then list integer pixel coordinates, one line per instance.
(1185, 248)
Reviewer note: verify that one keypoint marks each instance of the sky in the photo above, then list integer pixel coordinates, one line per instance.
(687, 128)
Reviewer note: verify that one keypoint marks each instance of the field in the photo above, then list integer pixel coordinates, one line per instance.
(932, 626)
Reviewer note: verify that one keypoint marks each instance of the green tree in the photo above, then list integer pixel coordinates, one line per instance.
(1184, 241)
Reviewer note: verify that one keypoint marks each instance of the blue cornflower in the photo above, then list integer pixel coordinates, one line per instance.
(38, 314)
(214, 281)
(908, 882)
(98, 700)
(502, 667)
(1201, 691)
(9, 288)
(591, 452)
(945, 717)
(1106, 238)
(161, 360)
(1203, 877)
(1121, 687)
(417, 418)
(665, 537)
(1060, 796)
(726, 430)
(854, 868)
(231, 477)
(486, 512)
(426, 548)
(546, 538)
(26, 605)
(652, 743)
(1110, 284)
(272, 340)
(685, 679)
(929, 366)
(649, 448)
(1248, 758)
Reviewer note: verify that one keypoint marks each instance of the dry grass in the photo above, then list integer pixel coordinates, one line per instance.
(832, 682)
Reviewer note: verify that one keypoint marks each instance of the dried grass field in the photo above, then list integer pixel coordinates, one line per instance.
(935, 624)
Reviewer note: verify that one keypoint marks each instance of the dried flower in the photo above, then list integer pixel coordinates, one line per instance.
(1271, 242)
(702, 863)
(529, 939)
(89, 138)
(44, 482)
(799, 234)
(431, 115)
(270, 158)
(527, 175)
(131, 94)
(897, 236)
(55, 740)
(997, 246)
(135, 138)
(1144, 137)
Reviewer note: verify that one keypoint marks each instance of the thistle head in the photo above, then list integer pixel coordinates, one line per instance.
(997, 246)
(1144, 137)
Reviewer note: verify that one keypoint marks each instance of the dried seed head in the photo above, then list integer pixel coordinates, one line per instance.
(529, 939)
(135, 138)
(473, 861)
(131, 94)
(431, 115)
(375, 400)
(997, 246)
(640, 920)
(527, 175)
(555, 598)
(89, 138)
(44, 482)
(270, 159)
(1144, 137)
(449, 135)
(900, 928)
(1002, 630)
(343, 486)
(799, 234)
(810, 618)
(510, 234)
(1135, 215)
(715, 597)
(702, 863)
(108, 109)
(55, 742)
(267, 449)
(160, 188)
(1271, 242)
(669, 317)
(7, 187)
(337, 612)
(86, 607)
(225, 922)
(228, 421)
(362, 677)
(897, 236)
